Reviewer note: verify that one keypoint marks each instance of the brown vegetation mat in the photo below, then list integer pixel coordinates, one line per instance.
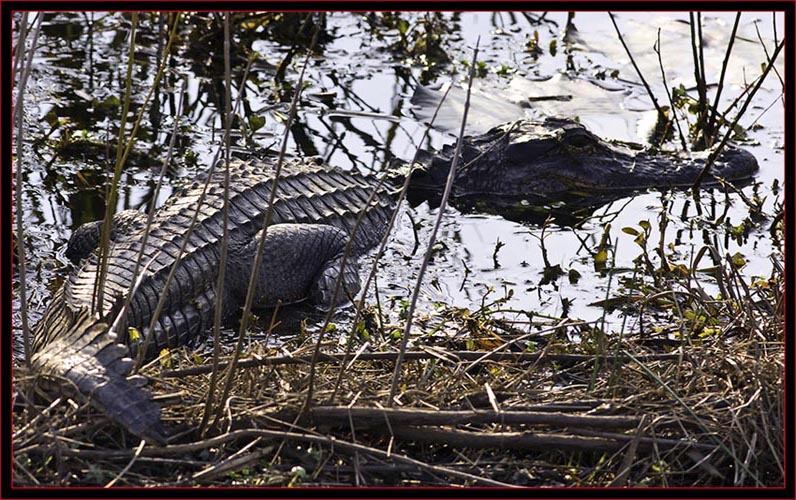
(481, 402)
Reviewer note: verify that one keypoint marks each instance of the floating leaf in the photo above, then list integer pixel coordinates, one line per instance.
(761, 283)
(110, 103)
(738, 260)
(52, 119)
(680, 269)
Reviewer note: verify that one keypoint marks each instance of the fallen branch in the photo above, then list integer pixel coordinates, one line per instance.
(452, 356)
(413, 416)
(539, 441)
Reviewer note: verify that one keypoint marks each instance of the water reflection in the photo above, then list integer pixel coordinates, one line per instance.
(359, 65)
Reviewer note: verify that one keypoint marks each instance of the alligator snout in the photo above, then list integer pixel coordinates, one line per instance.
(735, 164)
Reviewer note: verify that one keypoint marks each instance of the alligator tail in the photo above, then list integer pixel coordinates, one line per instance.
(88, 356)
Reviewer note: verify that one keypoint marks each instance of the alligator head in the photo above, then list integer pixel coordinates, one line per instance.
(544, 161)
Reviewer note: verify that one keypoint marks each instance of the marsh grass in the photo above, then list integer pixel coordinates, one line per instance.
(708, 411)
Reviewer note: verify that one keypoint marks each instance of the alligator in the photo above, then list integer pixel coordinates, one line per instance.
(313, 218)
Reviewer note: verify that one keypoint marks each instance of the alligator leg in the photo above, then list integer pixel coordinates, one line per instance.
(86, 238)
(300, 261)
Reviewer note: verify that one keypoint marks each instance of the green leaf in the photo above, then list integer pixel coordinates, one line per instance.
(738, 260)
(630, 230)
(361, 330)
(403, 26)
(52, 119)
(256, 122)
(600, 260)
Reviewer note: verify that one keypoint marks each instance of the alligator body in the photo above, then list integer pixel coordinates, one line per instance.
(313, 218)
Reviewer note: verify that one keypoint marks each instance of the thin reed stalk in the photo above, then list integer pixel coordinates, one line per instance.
(710, 136)
(337, 285)
(247, 307)
(121, 157)
(152, 206)
(731, 129)
(225, 230)
(19, 117)
(385, 239)
(186, 238)
(699, 76)
(638, 71)
(110, 207)
(657, 49)
(19, 51)
(432, 239)
(346, 255)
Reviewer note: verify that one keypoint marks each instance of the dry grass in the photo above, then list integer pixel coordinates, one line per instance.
(546, 409)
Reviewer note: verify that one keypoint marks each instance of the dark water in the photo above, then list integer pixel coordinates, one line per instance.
(356, 112)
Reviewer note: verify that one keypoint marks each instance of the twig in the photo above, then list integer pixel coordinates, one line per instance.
(699, 76)
(152, 208)
(630, 454)
(255, 272)
(104, 250)
(537, 441)
(123, 151)
(386, 237)
(129, 464)
(711, 122)
(458, 356)
(731, 129)
(432, 239)
(334, 443)
(416, 416)
(638, 71)
(657, 49)
(186, 238)
(235, 462)
(222, 259)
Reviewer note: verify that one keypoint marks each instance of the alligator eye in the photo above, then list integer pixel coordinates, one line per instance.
(578, 140)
